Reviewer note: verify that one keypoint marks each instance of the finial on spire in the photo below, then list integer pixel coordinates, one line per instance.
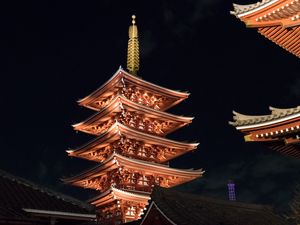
(133, 19)
(133, 58)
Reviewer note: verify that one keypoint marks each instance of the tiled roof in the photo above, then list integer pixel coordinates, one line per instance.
(17, 193)
(239, 9)
(276, 113)
(189, 209)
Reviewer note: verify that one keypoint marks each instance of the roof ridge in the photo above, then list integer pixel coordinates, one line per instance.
(164, 192)
(44, 189)
(275, 114)
(239, 9)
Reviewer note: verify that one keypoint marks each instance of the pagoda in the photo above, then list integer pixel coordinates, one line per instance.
(130, 147)
(280, 130)
(277, 20)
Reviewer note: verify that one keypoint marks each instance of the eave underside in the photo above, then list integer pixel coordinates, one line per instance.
(118, 81)
(290, 150)
(124, 110)
(287, 38)
(277, 20)
(117, 165)
(123, 139)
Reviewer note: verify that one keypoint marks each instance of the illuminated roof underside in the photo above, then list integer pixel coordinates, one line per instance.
(121, 163)
(280, 130)
(135, 89)
(127, 112)
(277, 20)
(114, 198)
(125, 138)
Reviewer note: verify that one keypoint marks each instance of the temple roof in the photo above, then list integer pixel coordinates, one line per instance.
(18, 195)
(277, 115)
(120, 103)
(118, 130)
(277, 20)
(189, 209)
(242, 9)
(116, 161)
(122, 75)
(113, 194)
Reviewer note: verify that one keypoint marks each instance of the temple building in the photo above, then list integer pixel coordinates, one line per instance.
(277, 20)
(280, 130)
(130, 147)
(170, 207)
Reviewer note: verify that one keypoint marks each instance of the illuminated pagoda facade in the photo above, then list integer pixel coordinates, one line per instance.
(279, 130)
(277, 20)
(130, 147)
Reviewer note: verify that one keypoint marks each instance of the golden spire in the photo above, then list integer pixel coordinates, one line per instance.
(133, 54)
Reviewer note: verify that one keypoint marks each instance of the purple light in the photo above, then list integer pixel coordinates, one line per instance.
(231, 191)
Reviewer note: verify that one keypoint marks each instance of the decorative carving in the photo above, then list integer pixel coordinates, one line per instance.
(135, 94)
(101, 103)
(113, 213)
(143, 123)
(102, 153)
(135, 149)
(102, 127)
(98, 183)
(144, 97)
(133, 120)
(127, 179)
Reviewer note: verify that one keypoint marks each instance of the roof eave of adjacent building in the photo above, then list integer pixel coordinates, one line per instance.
(251, 8)
(60, 214)
(267, 123)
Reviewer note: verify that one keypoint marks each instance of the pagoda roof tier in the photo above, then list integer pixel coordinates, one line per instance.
(100, 176)
(277, 116)
(123, 139)
(134, 88)
(120, 205)
(115, 194)
(127, 112)
(277, 20)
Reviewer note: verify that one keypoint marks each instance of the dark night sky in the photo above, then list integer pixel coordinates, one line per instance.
(55, 52)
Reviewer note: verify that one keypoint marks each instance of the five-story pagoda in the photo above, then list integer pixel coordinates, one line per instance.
(130, 125)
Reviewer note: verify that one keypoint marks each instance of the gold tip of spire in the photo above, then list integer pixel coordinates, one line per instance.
(133, 19)
(133, 58)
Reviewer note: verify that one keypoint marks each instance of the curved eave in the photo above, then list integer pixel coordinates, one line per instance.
(123, 74)
(120, 129)
(116, 160)
(107, 164)
(116, 106)
(156, 139)
(245, 10)
(267, 123)
(161, 169)
(120, 194)
(155, 87)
